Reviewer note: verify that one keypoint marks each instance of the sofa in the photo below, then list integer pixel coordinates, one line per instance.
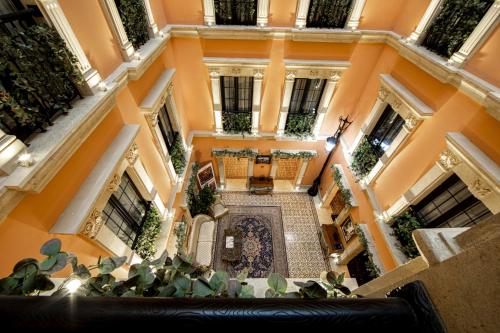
(202, 239)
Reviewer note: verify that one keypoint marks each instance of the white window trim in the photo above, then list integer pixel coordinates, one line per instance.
(113, 17)
(220, 164)
(311, 69)
(10, 149)
(478, 36)
(304, 163)
(218, 67)
(351, 23)
(262, 12)
(407, 105)
(152, 27)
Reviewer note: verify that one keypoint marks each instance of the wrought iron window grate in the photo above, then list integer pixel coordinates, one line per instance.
(236, 12)
(386, 129)
(328, 13)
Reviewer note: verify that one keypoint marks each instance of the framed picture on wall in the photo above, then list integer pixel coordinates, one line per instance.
(206, 176)
(263, 159)
(347, 229)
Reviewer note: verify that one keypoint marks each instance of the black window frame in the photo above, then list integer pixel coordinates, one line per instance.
(166, 127)
(129, 226)
(460, 207)
(235, 17)
(298, 102)
(389, 134)
(235, 108)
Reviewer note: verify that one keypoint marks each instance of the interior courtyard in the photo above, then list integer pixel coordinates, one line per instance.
(313, 149)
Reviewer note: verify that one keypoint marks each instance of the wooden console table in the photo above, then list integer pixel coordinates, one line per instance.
(260, 185)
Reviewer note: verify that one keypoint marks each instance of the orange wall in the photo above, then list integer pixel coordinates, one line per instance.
(484, 63)
(183, 11)
(158, 13)
(91, 28)
(25, 229)
(377, 16)
(282, 13)
(409, 16)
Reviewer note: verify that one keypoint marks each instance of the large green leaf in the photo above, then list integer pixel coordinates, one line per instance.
(219, 281)
(277, 282)
(24, 267)
(201, 288)
(51, 247)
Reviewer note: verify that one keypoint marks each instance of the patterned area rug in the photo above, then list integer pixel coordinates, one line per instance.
(264, 249)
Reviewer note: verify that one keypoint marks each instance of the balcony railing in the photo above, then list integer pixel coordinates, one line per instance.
(328, 13)
(236, 12)
(300, 124)
(38, 75)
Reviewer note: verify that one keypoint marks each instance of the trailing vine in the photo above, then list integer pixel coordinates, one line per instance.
(243, 153)
(180, 236)
(296, 155)
(237, 122)
(371, 267)
(344, 192)
(363, 159)
(145, 246)
(199, 202)
(403, 226)
(300, 124)
(134, 19)
(177, 154)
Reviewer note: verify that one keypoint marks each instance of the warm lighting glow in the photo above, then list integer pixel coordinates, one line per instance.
(73, 285)
(25, 160)
(330, 144)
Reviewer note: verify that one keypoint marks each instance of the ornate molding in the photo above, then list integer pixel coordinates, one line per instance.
(114, 184)
(383, 94)
(290, 75)
(479, 189)
(334, 75)
(132, 154)
(93, 224)
(258, 74)
(411, 122)
(152, 117)
(214, 73)
(235, 71)
(448, 160)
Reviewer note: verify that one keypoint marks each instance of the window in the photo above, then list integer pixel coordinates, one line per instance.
(454, 24)
(236, 12)
(306, 95)
(328, 13)
(166, 128)
(451, 205)
(237, 93)
(385, 130)
(125, 211)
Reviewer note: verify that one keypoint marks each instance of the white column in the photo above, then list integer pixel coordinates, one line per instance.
(152, 27)
(287, 95)
(262, 13)
(274, 167)
(114, 20)
(10, 148)
(250, 167)
(222, 174)
(356, 10)
(209, 12)
(431, 12)
(216, 96)
(172, 107)
(301, 14)
(325, 102)
(55, 16)
(300, 174)
(478, 35)
(257, 95)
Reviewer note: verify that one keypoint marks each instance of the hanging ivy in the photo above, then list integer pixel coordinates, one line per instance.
(237, 122)
(134, 19)
(177, 155)
(344, 192)
(145, 246)
(403, 226)
(454, 24)
(235, 12)
(38, 79)
(300, 124)
(180, 236)
(243, 153)
(371, 267)
(297, 155)
(328, 13)
(199, 202)
(364, 159)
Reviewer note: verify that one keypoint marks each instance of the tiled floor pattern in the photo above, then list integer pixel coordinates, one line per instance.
(300, 224)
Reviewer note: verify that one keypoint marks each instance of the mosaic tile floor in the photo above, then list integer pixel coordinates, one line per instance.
(300, 225)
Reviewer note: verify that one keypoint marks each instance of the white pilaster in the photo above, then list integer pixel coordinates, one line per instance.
(285, 104)
(209, 12)
(216, 96)
(55, 16)
(274, 168)
(424, 23)
(10, 148)
(356, 10)
(257, 94)
(324, 103)
(262, 13)
(116, 24)
(222, 174)
(478, 35)
(300, 175)
(152, 27)
(251, 162)
(301, 14)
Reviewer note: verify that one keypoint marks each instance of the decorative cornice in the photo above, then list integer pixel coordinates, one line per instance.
(479, 189)
(411, 122)
(290, 75)
(383, 94)
(114, 184)
(132, 154)
(448, 160)
(93, 224)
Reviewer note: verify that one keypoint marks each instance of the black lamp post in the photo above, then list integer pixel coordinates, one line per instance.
(331, 143)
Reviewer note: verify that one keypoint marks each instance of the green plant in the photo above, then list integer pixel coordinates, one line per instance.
(237, 122)
(371, 267)
(300, 124)
(134, 19)
(403, 226)
(344, 192)
(177, 156)
(199, 202)
(180, 236)
(297, 155)
(363, 159)
(328, 13)
(242, 153)
(145, 246)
